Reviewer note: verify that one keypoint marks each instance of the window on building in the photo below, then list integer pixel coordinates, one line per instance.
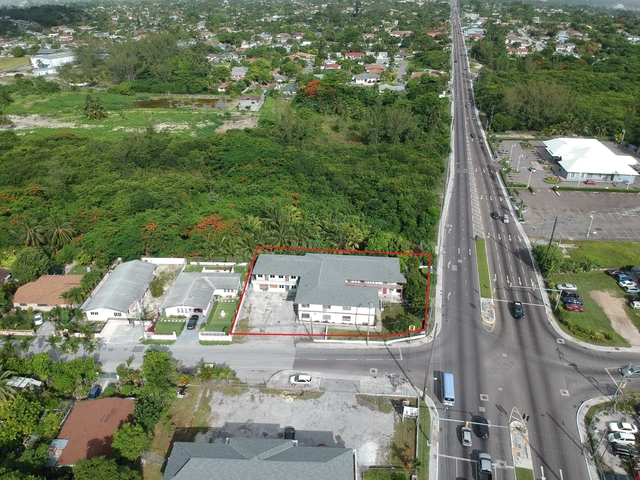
(94, 313)
(304, 305)
(304, 315)
(326, 307)
(280, 276)
(23, 304)
(117, 314)
(346, 308)
(42, 304)
(346, 318)
(326, 318)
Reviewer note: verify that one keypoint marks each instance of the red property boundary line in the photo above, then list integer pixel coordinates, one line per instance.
(259, 249)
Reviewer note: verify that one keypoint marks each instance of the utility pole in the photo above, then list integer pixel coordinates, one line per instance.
(551, 239)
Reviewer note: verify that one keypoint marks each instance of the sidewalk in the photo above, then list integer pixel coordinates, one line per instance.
(592, 470)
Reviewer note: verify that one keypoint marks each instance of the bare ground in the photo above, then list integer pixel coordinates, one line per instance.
(614, 309)
(21, 122)
(244, 122)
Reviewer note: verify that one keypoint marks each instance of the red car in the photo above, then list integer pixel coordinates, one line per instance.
(590, 182)
(574, 307)
(636, 474)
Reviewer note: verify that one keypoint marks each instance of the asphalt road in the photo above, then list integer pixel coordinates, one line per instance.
(515, 366)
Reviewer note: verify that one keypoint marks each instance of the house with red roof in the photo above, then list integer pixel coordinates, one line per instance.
(46, 292)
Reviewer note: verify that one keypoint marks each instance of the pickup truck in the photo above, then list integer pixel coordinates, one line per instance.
(485, 472)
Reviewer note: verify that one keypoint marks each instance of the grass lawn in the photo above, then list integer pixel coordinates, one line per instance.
(11, 62)
(593, 317)
(193, 268)
(242, 270)
(403, 445)
(483, 269)
(82, 269)
(524, 474)
(218, 323)
(379, 474)
(607, 254)
(167, 328)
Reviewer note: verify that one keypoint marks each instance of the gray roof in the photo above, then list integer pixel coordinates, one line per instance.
(238, 70)
(125, 285)
(259, 459)
(195, 289)
(323, 277)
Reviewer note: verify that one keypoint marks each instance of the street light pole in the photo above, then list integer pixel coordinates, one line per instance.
(518, 167)
(590, 225)
(511, 152)
(530, 173)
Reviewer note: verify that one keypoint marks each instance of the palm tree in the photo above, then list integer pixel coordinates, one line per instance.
(59, 230)
(28, 232)
(52, 341)
(6, 392)
(73, 296)
(94, 109)
(25, 343)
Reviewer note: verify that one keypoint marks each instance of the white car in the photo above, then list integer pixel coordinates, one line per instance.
(632, 289)
(300, 379)
(635, 304)
(567, 287)
(622, 427)
(37, 319)
(627, 283)
(622, 438)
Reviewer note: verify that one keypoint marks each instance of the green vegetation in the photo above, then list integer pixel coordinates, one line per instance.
(524, 474)
(219, 323)
(375, 402)
(382, 474)
(597, 189)
(168, 327)
(403, 446)
(483, 269)
(592, 325)
(424, 438)
(605, 254)
(11, 63)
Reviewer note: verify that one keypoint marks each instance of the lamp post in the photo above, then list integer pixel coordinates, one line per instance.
(511, 152)
(518, 167)
(531, 170)
(590, 225)
(623, 132)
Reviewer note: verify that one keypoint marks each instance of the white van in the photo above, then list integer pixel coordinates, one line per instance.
(622, 438)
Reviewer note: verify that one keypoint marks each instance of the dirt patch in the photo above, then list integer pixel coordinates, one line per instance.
(614, 308)
(21, 122)
(247, 121)
(335, 419)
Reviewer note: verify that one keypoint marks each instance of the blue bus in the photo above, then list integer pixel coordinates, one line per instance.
(448, 393)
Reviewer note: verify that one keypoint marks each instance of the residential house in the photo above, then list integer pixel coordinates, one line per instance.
(366, 79)
(120, 296)
(330, 66)
(65, 38)
(376, 68)
(588, 159)
(564, 48)
(238, 73)
(252, 103)
(88, 431)
(45, 293)
(259, 459)
(198, 290)
(400, 33)
(520, 52)
(215, 58)
(354, 56)
(345, 289)
(391, 88)
(5, 275)
(222, 88)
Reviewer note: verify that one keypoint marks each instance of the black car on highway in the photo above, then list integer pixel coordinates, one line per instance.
(518, 310)
(495, 215)
(482, 426)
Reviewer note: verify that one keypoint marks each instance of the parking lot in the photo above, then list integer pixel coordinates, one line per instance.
(581, 215)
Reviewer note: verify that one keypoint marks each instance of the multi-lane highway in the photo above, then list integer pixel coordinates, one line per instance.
(514, 366)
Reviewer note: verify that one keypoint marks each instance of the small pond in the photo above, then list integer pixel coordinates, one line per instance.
(197, 103)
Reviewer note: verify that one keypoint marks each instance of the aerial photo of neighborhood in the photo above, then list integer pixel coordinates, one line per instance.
(363, 240)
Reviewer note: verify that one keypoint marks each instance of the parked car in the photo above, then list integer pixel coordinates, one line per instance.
(485, 470)
(632, 289)
(635, 304)
(622, 277)
(289, 433)
(614, 273)
(570, 294)
(518, 310)
(622, 438)
(300, 379)
(636, 474)
(627, 283)
(465, 436)
(193, 321)
(573, 307)
(566, 300)
(495, 215)
(624, 450)
(622, 427)
(198, 310)
(590, 182)
(629, 371)
(95, 391)
(37, 319)
(567, 287)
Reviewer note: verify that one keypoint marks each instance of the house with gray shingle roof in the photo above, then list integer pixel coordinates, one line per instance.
(258, 459)
(345, 289)
(193, 290)
(120, 295)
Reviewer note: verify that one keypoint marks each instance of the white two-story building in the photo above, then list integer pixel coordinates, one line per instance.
(343, 289)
